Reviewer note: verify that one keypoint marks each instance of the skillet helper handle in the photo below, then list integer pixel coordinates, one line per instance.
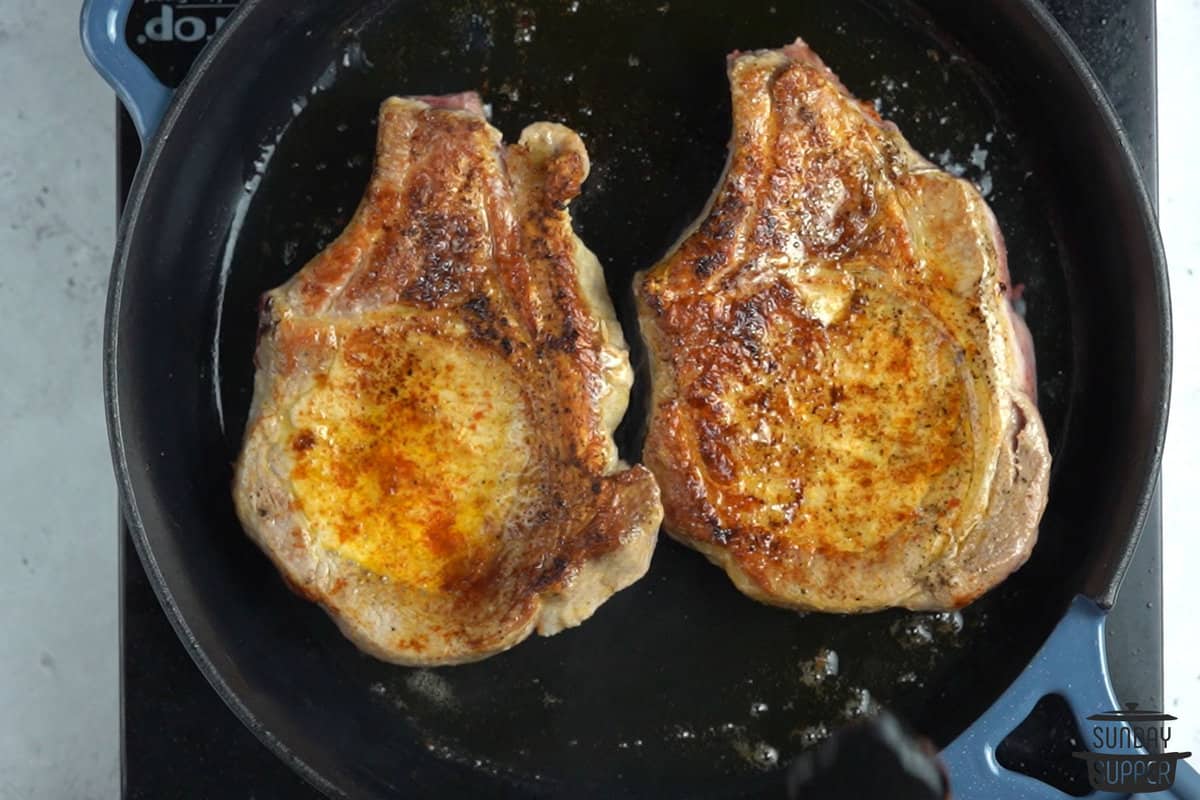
(102, 29)
(1072, 664)
(1187, 785)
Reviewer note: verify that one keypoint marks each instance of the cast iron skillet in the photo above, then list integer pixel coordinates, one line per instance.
(679, 686)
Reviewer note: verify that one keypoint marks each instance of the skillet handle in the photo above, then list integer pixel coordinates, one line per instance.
(102, 29)
(1072, 664)
(1187, 785)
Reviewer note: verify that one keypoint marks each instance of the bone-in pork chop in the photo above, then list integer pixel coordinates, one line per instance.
(843, 411)
(429, 453)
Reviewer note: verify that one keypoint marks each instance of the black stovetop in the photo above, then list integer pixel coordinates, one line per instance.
(179, 739)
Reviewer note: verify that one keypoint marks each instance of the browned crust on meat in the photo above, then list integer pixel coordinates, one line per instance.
(842, 412)
(461, 249)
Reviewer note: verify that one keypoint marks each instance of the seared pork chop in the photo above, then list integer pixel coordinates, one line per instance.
(429, 453)
(843, 409)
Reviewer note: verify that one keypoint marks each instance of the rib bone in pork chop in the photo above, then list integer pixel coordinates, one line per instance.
(843, 409)
(429, 453)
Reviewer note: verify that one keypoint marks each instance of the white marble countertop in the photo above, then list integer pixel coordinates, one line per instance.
(1179, 199)
(58, 579)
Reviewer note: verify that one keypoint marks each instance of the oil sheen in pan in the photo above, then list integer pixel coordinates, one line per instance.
(680, 673)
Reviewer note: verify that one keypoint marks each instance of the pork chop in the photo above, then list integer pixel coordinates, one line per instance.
(429, 452)
(842, 411)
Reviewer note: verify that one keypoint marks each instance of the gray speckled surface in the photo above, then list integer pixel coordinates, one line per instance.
(58, 571)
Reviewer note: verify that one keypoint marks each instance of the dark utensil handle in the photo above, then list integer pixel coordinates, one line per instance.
(102, 30)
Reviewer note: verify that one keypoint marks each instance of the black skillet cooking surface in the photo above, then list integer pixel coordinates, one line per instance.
(679, 682)
(682, 659)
